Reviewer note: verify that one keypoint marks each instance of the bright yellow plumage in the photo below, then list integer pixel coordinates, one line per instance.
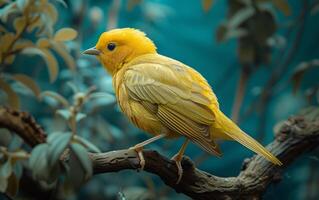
(164, 96)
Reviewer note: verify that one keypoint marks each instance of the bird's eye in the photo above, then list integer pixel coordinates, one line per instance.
(111, 46)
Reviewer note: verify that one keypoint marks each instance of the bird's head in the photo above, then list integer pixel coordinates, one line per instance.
(119, 46)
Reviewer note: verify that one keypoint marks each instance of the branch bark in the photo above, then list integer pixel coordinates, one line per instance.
(23, 124)
(295, 136)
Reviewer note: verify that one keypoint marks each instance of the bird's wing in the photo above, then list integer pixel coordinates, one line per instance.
(180, 101)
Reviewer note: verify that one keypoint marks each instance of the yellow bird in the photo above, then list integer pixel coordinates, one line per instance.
(165, 97)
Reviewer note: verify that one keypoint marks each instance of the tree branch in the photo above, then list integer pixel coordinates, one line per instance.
(296, 136)
(23, 124)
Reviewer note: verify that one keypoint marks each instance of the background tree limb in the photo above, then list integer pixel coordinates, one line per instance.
(294, 137)
(23, 124)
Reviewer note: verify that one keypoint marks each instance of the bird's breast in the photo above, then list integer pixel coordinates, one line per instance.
(134, 110)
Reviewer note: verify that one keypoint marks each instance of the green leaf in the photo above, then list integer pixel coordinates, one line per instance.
(62, 51)
(98, 104)
(6, 169)
(28, 82)
(5, 41)
(52, 12)
(80, 116)
(100, 99)
(21, 4)
(300, 71)
(72, 86)
(43, 43)
(19, 24)
(52, 64)
(101, 95)
(35, 24)
(87, 144)
(56, 97)
(230, 33)
(33, 51)
(36, 152)
(236, 33)
(7, 10)
(63, 3)
(57, 144)
(64, 113)
(19, 155)
(13, 98)
(65, 34)
(83, 157)
(22, 43)
(240, 16)
(38, 162)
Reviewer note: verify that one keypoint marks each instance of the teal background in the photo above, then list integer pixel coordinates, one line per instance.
(183, 31)
(186, 33)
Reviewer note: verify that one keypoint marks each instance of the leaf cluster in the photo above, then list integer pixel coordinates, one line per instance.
(253, 24)
(22, 20)
(11, 167)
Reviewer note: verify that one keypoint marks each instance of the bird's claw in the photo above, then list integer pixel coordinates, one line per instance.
(177, 158)
(139, 151)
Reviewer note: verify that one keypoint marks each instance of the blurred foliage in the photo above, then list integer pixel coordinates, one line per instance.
(311, 92)
(76, 105)
(11, 169)
(253, 24)
(27, 29)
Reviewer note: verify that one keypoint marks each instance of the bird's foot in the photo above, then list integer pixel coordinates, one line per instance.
(178, 158)
(139, 151)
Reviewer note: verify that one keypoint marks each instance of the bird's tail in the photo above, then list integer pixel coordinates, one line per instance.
(227, 129)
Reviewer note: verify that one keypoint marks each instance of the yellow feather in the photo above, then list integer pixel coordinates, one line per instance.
(228, 129)
(159, 93)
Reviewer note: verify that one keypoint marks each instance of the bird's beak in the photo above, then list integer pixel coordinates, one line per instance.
(92, 51)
